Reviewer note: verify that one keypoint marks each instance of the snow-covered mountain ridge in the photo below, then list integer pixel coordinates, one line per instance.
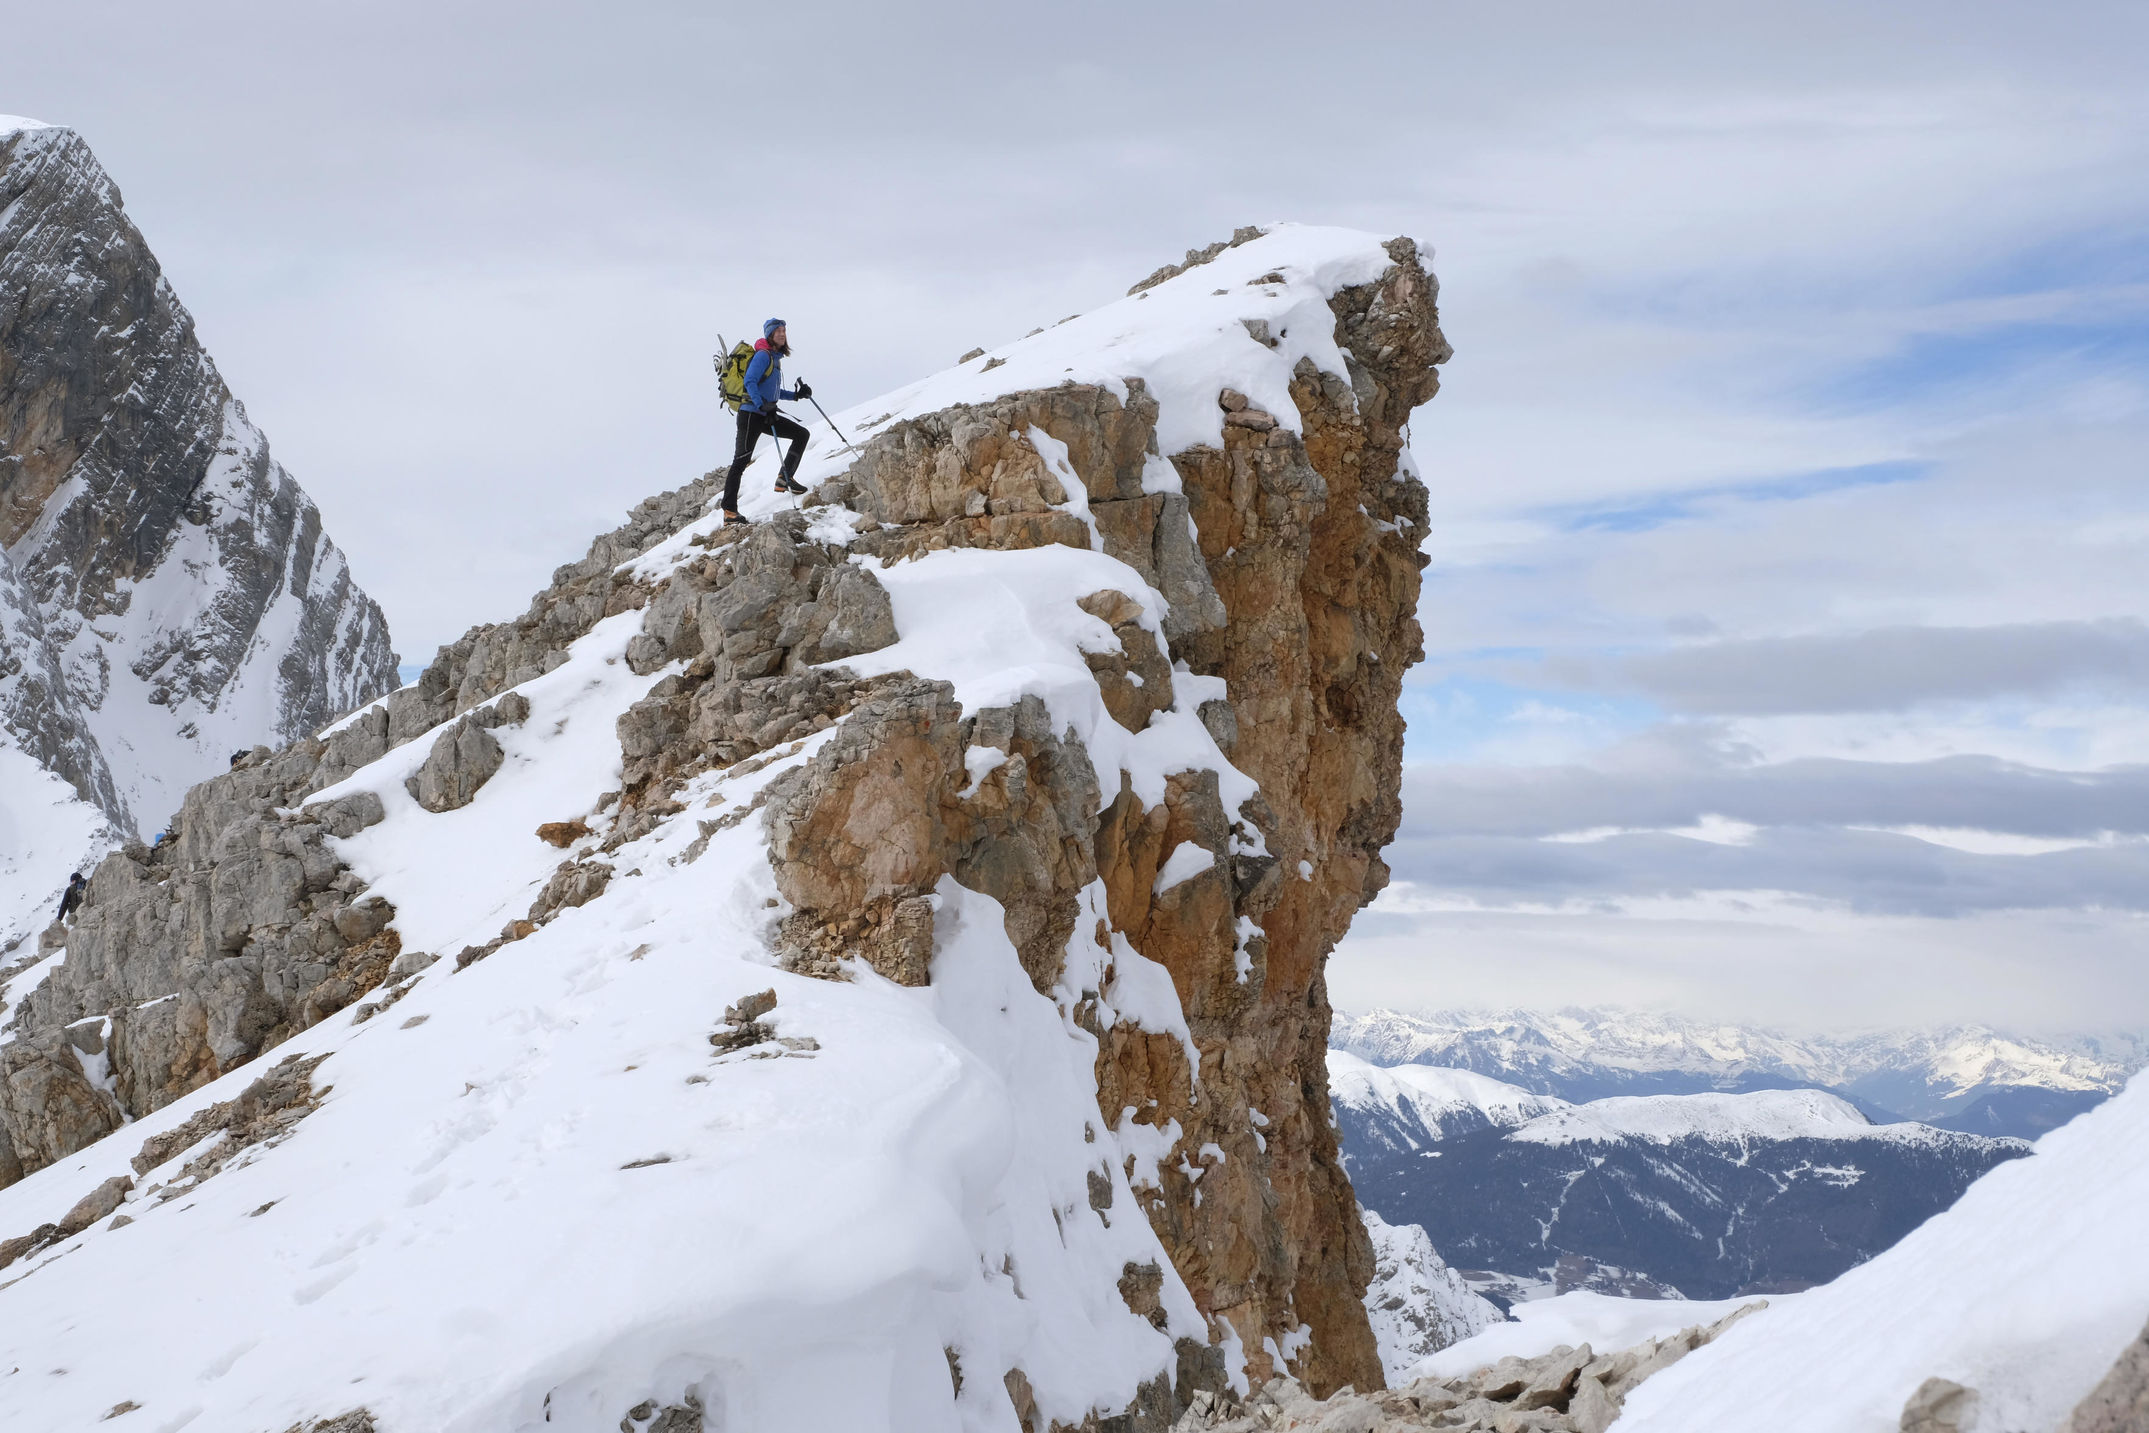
(1759, 1115)
(1967, 1077)
(741, 990)
(1408, 1107)
(1417, 1304)
(167, 594)
(1445, 1104)
(1707, 1195)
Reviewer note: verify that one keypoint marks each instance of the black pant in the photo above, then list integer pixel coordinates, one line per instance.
(751, 426)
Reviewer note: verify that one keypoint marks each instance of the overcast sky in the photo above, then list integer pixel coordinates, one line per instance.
(1785, 627)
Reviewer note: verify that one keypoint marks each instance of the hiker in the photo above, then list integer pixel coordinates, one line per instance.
(758, 415)
(73, 895)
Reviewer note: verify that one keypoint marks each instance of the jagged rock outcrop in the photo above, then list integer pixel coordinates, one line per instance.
(1299, 596)
(1568, 1390)
(973, 476)
(1416, 1303)
(190, 959)
(1255, 593)
(166, 590)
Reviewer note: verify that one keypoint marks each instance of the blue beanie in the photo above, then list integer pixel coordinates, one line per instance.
(771, 326)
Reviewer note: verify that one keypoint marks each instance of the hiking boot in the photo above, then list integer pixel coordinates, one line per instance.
(785, 483)
(732, 519)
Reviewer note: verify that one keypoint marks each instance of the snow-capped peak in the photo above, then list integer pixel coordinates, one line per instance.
(1435, 1095)
(167, 593)
(1725, 1119)
(1588, 1053)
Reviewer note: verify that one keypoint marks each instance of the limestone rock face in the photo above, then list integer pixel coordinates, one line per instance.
(973, 476)
(1319, 584)
(167, 593)
(464, 757)
(2120, 1403)
(188, 960)
(1299, 596)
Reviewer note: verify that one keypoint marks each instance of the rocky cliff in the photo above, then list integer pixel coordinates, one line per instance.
(1007, 799)
(167, 594)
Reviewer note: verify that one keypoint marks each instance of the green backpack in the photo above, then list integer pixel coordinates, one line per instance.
(731, 373)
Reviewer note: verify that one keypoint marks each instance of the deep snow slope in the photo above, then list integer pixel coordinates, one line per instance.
(862, 971)
(2026, 1292)
(1968, 1077)
(167, 594)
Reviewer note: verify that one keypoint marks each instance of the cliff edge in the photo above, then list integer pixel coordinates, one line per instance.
(860, 970)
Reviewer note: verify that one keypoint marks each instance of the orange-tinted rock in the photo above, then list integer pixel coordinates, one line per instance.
(1300, 596)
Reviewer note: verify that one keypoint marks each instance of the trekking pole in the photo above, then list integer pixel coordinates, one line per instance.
(829, 421)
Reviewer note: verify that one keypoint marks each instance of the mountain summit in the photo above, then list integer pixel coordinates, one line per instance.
(167, 594)
(862, 970)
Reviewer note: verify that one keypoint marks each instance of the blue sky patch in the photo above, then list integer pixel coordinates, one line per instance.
(1466, 719)
(1699, 503)
(1931, 367)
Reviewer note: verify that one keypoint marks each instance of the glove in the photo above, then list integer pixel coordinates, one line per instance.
(804, 389)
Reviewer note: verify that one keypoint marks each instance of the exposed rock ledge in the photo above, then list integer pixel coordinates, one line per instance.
(1567, 1390)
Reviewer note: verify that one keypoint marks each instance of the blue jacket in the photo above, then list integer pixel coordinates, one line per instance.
(764, 380)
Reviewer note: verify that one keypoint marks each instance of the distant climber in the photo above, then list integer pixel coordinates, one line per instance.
(237, 757)
(72, 897)
(758, 415)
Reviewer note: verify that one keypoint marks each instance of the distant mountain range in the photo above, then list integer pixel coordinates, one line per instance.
(1708, 1195)
(1968, 1078)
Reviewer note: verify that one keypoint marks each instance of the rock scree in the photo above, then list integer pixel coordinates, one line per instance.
(1566, 1390)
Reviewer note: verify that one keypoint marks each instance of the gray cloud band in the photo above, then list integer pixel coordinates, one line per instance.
(1978, 792)
(1476, 832)
(1888, 669)
(1872, 872)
